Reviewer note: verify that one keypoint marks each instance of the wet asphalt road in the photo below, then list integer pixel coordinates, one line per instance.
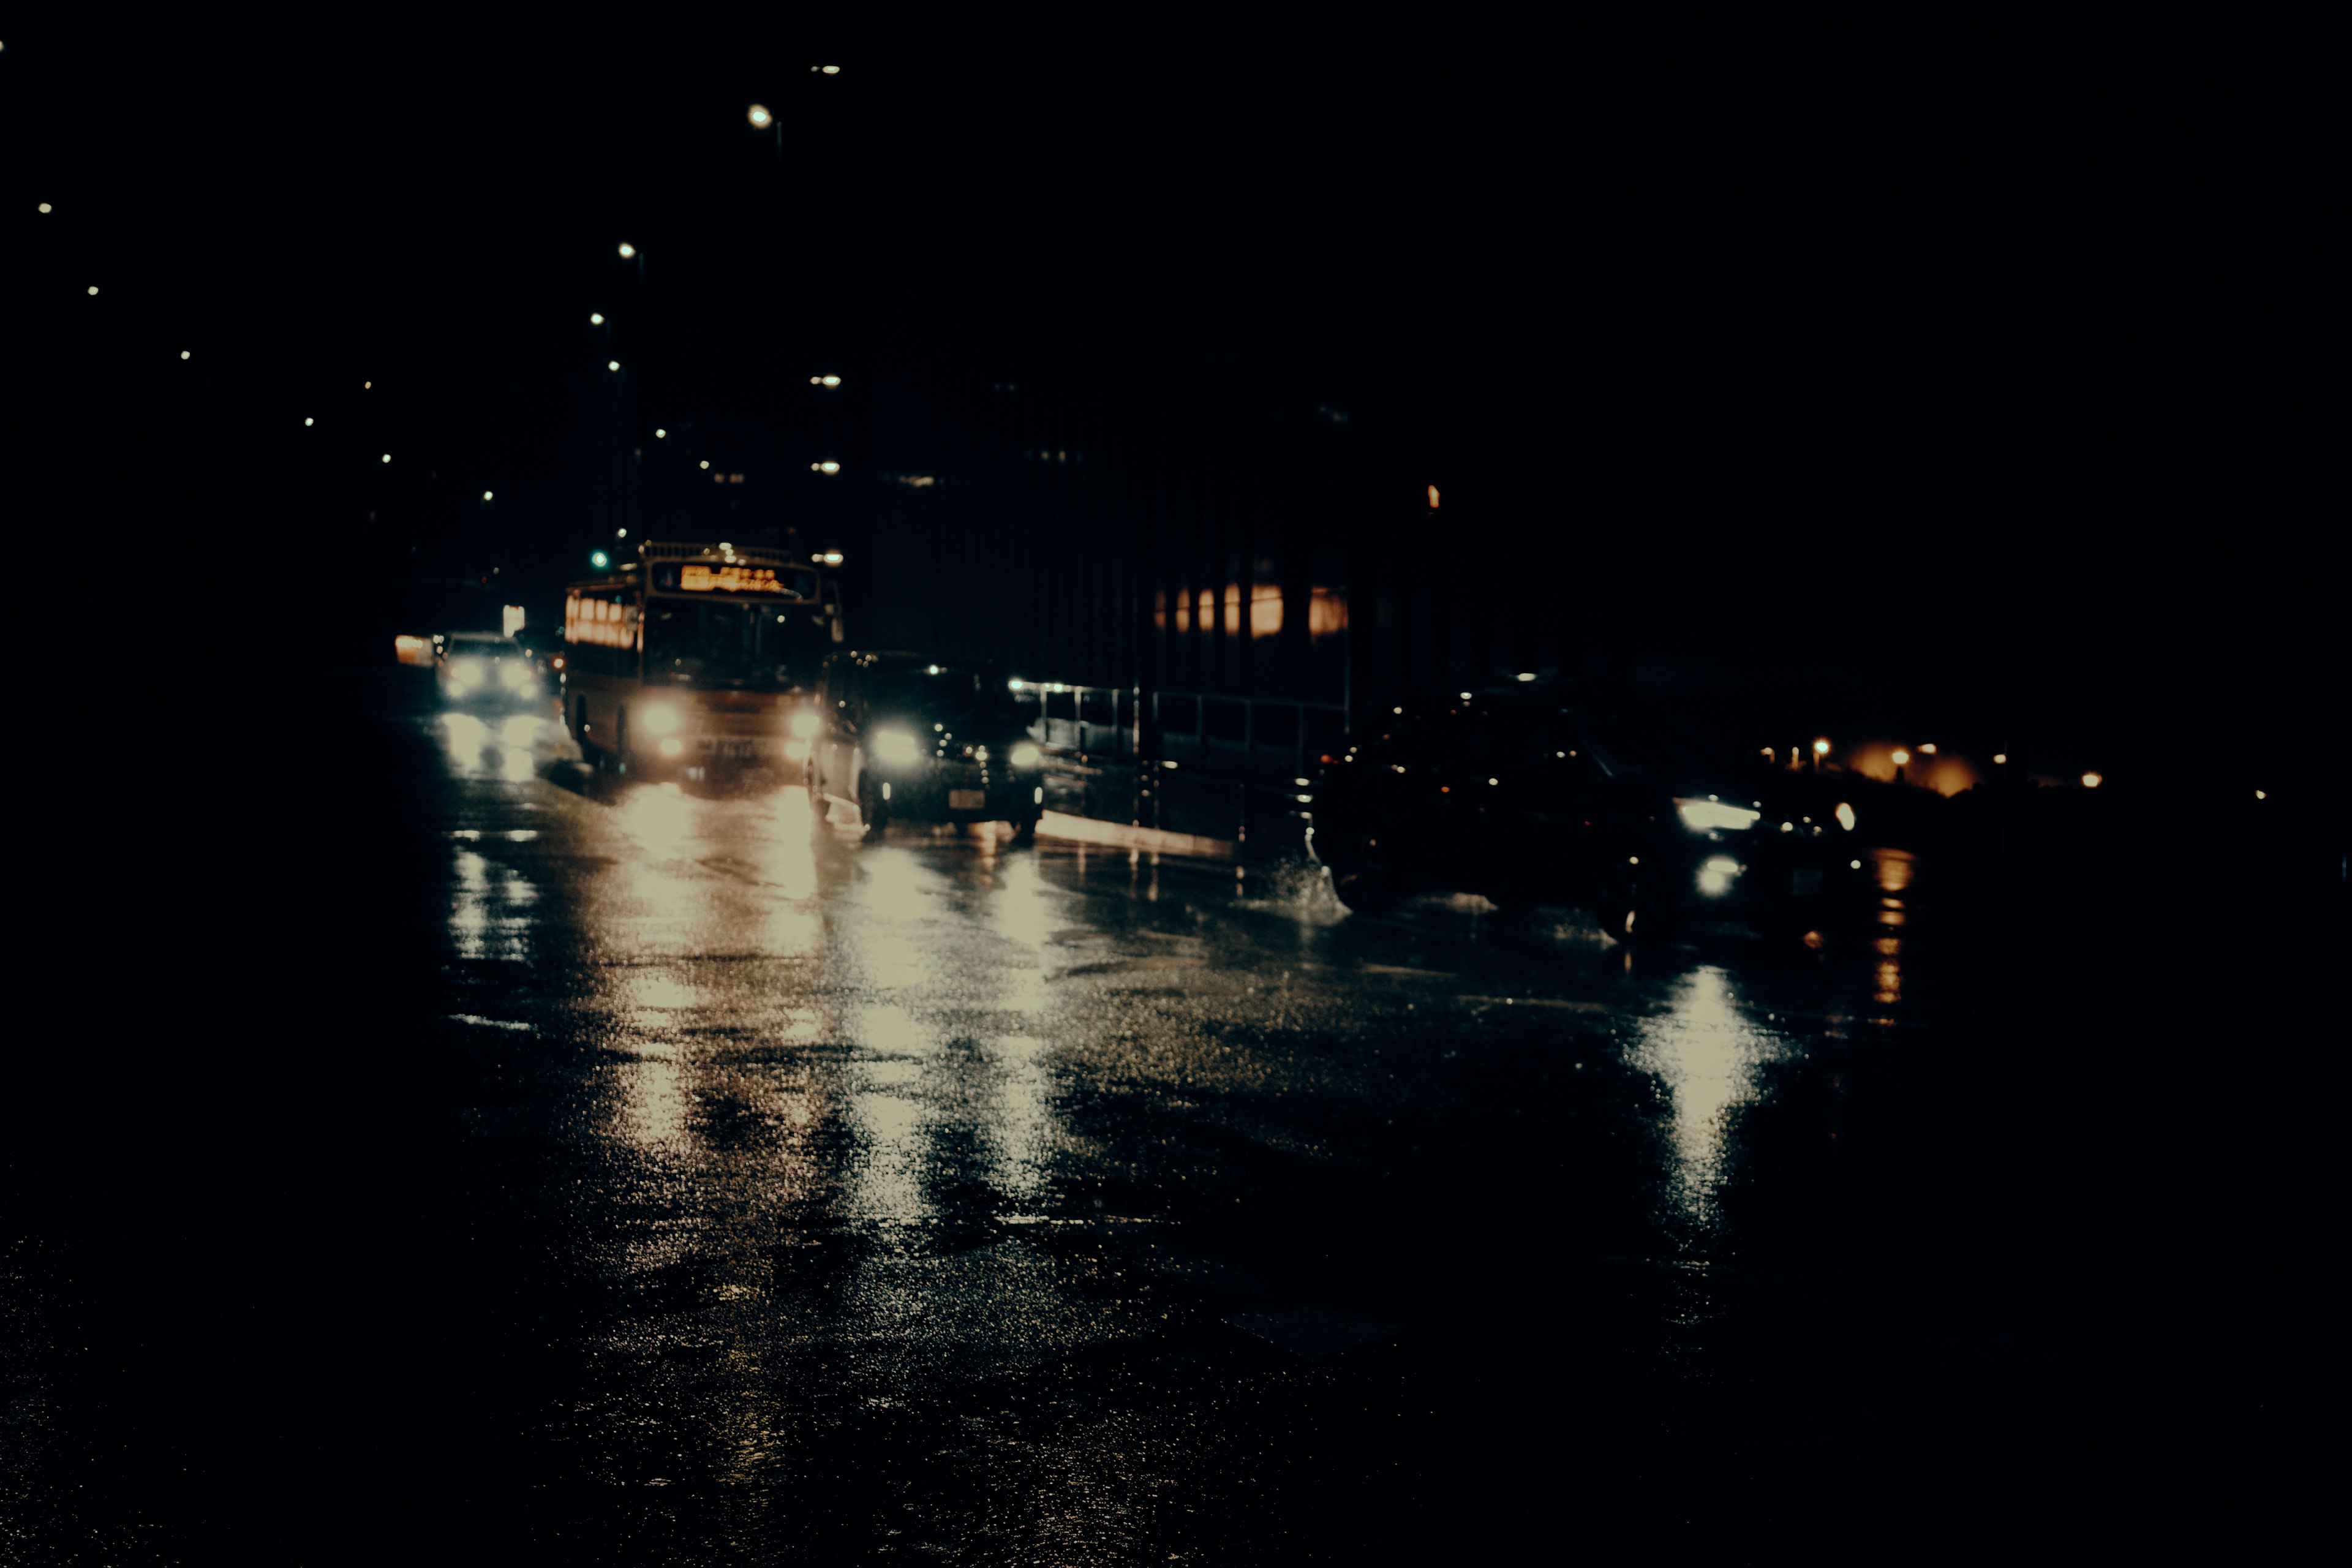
(657, 1173)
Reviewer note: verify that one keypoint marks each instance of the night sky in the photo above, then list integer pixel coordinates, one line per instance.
(1994, 358)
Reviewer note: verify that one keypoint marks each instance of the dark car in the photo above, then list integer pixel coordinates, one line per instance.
(1530, 795)
(929, 740)
(483, 670)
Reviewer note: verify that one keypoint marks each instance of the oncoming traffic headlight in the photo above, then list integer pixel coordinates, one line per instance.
(895, 746)
(1025, 754)
(660, 718)
(517, 676)
(803, 724)
(1700, 815)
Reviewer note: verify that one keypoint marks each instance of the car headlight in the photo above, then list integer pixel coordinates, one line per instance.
(1703, 815)
(517, 676)
(1025, 754)
(1715, 877)
(660, 718)
(803, 725)
(465, 672)
(895, 746)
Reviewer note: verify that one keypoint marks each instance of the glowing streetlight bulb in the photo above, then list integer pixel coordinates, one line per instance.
(661, 435)
(2092, 780)
(45, 206)
(620, 533)
(387, 456)
(93, 289)
(612, 364)
(308, 423)
(1927, 748)
(759, 117)
(829, 70)
(596, 318)
(1901, 756)
(706, 462)
(486, 495)
(628, 250)
(2001, 759)
(183, 353)
(827, 467)
(1820, 748)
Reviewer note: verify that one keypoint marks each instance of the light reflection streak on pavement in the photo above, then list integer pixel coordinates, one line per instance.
(828, 1085)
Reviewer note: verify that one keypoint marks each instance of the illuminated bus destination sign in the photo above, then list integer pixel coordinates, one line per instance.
(698, 577)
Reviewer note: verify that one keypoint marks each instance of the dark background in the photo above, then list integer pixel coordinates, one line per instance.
(1984, 368)
(1972, 367)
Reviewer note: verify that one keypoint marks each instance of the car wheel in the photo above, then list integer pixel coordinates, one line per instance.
(872, 809)
(1635, 907)
(1361, 876)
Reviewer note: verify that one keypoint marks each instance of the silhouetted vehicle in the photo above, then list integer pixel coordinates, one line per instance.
(906, 735)
(1532, 793)
(483, 670)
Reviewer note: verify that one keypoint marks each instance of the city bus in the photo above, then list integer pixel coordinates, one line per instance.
(697, 656)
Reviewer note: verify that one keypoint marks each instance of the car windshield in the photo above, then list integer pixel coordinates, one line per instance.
(1637, 742)
(486, 650)
(957, 696)
(732, 645)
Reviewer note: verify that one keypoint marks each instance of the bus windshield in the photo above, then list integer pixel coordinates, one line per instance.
(715, 643)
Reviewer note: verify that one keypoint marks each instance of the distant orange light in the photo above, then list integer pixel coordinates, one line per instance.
(2261, 795)
(2092, 780)
(1901, 756)
(1927, 749)
(1433, 497)
(2001, 759)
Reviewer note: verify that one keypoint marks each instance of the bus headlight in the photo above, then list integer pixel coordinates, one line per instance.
(896, 746)
(803, 725)
(1700, 815)
(1025, 754)
(660, 718)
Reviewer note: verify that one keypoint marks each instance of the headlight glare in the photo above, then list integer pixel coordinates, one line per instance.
(660, 718)
(517, 676)
(803, 725)
(895, 746)
(1703, 815)
(1025, 754)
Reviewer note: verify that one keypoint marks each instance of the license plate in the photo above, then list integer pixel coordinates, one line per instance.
(733, 750)
(967, 800)
(1805, 884)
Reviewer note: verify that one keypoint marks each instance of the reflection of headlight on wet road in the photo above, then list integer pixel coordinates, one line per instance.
(1715, 877)
(895, 746)
(801, 724)
(673, 747)
(1025, 754)
(660, 718)
(1699, 815)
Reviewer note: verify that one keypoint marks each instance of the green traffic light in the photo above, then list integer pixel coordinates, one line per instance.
(599, 559)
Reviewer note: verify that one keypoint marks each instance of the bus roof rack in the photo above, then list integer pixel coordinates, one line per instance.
(747, 554)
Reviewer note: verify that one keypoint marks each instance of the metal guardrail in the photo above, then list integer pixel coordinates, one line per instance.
(1204, 763)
